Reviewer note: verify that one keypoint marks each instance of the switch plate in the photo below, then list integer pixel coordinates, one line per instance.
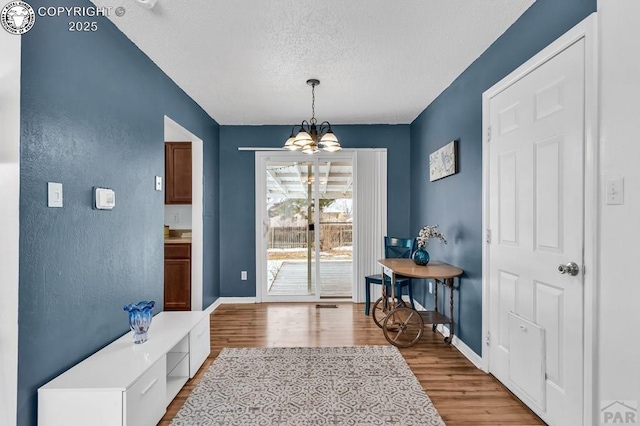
(614, 191)
(430, 287)
(55, 194)
(243, 275)
(158, 183)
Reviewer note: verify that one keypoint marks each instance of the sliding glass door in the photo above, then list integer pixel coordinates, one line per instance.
(305, 246)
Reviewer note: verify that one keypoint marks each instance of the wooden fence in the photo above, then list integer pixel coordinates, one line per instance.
(332, 235)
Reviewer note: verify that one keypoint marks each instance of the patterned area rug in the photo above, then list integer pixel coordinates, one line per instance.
(364, 385)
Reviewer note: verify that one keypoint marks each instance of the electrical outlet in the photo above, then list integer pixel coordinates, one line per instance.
(158, 183)
(430, 287)
(243, 275)
(176, 217)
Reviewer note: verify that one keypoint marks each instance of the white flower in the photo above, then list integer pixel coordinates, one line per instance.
(429, 231)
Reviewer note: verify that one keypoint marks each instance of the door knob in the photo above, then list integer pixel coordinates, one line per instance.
(570, 268)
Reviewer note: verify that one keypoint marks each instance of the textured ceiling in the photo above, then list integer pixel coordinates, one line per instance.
(379, 61)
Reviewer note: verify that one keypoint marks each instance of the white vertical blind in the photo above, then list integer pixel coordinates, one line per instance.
(370, 195)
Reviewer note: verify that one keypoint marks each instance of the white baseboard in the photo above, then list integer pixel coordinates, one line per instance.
(459, 344)
(463, 348)
(419, 307)
(229, 300)
(213, 306)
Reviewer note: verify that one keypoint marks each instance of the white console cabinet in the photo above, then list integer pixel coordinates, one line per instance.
(126, 384)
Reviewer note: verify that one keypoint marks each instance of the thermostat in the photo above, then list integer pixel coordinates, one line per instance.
(104, 198)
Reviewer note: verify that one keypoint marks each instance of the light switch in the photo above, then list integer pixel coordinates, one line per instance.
(615, 191)
(158, 183)
(55, 194)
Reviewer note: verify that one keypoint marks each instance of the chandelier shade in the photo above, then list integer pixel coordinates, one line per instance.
(311, 137)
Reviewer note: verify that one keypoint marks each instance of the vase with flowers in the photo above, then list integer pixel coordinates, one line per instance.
(421, 256)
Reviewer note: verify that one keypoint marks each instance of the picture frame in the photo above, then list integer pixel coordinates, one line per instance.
(443, 162)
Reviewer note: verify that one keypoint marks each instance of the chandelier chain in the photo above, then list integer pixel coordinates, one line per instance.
(313, 102)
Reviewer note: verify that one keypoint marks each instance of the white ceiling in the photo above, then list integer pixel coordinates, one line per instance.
(379, 61)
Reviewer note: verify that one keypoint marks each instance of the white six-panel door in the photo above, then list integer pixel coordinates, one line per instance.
(536, 216)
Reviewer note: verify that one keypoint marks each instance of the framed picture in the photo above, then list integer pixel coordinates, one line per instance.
(442, 163)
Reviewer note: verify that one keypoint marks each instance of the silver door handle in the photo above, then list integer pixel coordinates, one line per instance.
(570, 268)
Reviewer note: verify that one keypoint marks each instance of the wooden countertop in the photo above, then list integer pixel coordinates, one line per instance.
(177, 240)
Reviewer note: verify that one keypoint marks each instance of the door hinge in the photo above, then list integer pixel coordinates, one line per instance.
(488, 339)
(488, 133)
(488, 236)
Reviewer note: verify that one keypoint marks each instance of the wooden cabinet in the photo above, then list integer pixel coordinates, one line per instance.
(177, 277)
(177, 173)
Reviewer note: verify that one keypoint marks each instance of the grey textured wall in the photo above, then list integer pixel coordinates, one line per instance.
(92, 114)
(455, 203)
(237, 192)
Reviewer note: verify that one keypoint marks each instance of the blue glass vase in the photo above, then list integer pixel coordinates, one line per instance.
(420, 256)
(140, 317)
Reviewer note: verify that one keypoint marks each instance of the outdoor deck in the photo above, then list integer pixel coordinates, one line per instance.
(291, 279)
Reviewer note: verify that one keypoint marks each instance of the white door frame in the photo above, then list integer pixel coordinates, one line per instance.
(197, 207)
(587, 31)
(260, 192)
(10, 214)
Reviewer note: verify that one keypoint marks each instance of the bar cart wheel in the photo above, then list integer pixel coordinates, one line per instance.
(380, 308)
(403, 327)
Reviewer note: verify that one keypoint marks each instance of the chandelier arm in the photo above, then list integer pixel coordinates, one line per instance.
(324, 126)
(293, 129)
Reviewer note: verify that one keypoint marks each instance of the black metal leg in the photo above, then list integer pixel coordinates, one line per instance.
(434, 327)
(449, 339)
(435, 294)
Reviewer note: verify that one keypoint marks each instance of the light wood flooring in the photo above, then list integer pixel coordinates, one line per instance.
(462, 394)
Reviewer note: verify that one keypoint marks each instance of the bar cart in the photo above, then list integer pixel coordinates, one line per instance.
(402, 325)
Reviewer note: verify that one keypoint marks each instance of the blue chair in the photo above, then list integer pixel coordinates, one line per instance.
(394, 248)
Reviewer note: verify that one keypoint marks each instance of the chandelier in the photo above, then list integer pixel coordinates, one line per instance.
(311, 137)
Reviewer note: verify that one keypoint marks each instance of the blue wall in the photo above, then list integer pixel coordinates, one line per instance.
(92, 114)
(237, 194)
(455, 203)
